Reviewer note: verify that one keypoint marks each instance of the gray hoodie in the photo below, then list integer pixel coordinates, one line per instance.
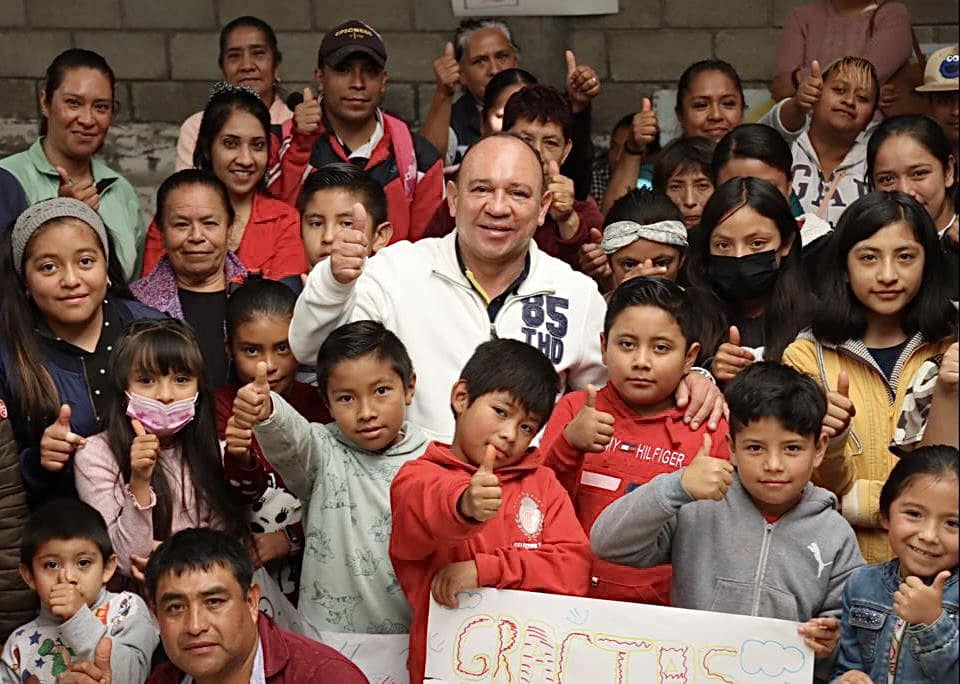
(726, 557)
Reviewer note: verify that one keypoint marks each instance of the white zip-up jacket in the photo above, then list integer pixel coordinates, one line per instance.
(418, 291)
(809, 183)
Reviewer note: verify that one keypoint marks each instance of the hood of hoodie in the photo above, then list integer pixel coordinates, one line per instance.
(443, 455)
(413, 441)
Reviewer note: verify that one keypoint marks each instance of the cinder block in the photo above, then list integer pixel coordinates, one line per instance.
(752, 52)
(19, 99)
(694, 13)
(130, 54)
(192, 14)
(124, 109)
(932, 11)
(435, 15)
(615, 100)
(383, 16)
(410, 55)
(29, 53)
(12, 13)
(783, 8)
(74, 14)
(193, 56)
(656, 55)
(171, 101)
(590, 47)
(299, 55)
(287, 15)
(542, 41)
(633, 14)
(948, 33)
(400, 99)
(425, 93)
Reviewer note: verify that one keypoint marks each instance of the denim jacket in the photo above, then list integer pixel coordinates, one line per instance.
(928, 653)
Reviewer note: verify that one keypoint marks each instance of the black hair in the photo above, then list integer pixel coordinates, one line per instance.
(254, 23)
(198, 550)
(516, 368)
(500, 82)
(753, 141)
(68, 60)
(542, 104)
(922, 129)
(861, 64)
(691, 72)
(352, 179)
(353, 340)
(787, 312)
(258, 297)
(938, 461)
(657, 292)
(681, 155)
(159, 347)
(768, 389)
(186, 178)
(220, 107)
(840, 315)
(64, 519)
(468, 27)
(644, 206)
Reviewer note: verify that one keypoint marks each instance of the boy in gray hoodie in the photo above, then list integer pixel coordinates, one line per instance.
(760, 541)
(342, 472)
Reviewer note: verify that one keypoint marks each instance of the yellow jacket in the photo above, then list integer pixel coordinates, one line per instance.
(858, 462)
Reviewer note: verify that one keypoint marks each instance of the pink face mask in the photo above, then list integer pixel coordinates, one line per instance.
(161, 419)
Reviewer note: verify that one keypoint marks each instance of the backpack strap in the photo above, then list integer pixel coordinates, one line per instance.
(402, 140)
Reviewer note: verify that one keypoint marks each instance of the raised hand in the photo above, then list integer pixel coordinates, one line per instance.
(238, 442)
(453, 578)
(58, 443)
(918, 604)
(446, 70)
(644, 128)
(840, 410)
(252, 403)
(592, 260)
(731, 358)
(85, 672)
(350, 248)
(583, 84)
(590, 430)
(483, 498)
(65, 598)
(810, 89)
(707, 477)
(307, 114)
(950, 367)
(85, 191)
(561, 207)
(144, 452)
(821, 634)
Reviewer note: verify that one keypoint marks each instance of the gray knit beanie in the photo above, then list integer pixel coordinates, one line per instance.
(40, 213)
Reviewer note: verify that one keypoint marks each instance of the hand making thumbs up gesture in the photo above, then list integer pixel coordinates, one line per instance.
(483, 498)
(643, 129)
(83, 190)
(583, 84)
(253, 404)
(809, 91)
(307, 115)
(590, 430)
(350, 248)
(58, 443)
(707, 477)
(840, 410)
(731, 358)
(446, 70)
(919, 604)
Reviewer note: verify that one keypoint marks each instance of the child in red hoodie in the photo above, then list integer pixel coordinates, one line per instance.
(483, 511)
(604, 444)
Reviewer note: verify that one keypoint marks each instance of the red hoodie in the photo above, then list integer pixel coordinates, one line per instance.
(641, 448)
(534, 544)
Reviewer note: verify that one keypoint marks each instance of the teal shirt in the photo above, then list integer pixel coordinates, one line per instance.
(119, 206)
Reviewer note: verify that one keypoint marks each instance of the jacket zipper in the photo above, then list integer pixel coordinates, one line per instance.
(478, 300)
(761, 568)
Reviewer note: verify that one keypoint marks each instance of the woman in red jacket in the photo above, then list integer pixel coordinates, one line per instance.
(234, 144)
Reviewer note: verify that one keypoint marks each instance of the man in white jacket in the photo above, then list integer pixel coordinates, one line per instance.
(444, 296)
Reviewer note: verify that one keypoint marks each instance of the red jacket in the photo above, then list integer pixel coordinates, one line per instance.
(409, 169)
(271, 243)
(288, 658)
(535, 544)
(641, 448)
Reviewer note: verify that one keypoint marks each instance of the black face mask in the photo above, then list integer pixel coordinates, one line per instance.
(744, 278)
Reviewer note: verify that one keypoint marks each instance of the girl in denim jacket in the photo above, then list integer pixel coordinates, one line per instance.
(900, 617)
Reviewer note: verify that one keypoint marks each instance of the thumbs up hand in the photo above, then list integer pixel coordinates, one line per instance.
(590, 430)
(810, 90)
(593, 261)
(307, 115)
(643, 129)
(446, 70)
(561, 206)
(83, 190)
(65, 598)
(58, 443)
(253, 404)
(144, 452)
(949, 375)
(840, 410)
(918, 604)
(350, 248)
(583, 84)
(707, 477)
(483, 498)
(731, 358)
(85, 672)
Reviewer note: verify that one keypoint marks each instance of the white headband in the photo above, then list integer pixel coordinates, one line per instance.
(622, 233)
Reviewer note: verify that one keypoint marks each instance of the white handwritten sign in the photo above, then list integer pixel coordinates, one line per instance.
(517, 636)
(381, 657)
(466, 8)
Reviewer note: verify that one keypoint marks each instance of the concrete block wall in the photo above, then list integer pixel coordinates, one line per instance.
(164, 53)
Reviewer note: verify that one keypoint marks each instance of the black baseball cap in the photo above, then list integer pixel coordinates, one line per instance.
(349, 38)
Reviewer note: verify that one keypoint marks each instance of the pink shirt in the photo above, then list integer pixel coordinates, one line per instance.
(279, 112)
(131, 525)
(816, 31)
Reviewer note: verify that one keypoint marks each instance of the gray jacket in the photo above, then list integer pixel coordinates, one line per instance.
(726, 557)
